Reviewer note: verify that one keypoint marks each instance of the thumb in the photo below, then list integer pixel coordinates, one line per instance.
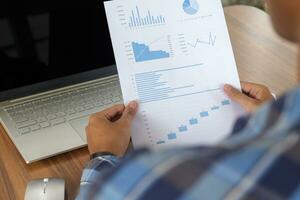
(129, 112)
(238, 96)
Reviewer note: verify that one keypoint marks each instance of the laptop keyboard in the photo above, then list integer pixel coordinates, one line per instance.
(61, 108)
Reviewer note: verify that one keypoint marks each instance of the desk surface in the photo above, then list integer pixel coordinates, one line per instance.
(261, 57)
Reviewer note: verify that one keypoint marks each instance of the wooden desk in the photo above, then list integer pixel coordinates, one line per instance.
(261, 57)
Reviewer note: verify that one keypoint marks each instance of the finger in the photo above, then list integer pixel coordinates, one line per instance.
(111, 113)
(248, 86)
(129, 112)
(256, 91)
(238, 97)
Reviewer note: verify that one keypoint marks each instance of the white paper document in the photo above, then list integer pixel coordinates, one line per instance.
(174, 56)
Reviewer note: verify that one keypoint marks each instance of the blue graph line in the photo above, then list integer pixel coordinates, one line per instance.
(148, 80)
(194, 121)
(211, 41)
(165, 90)
(151, 86)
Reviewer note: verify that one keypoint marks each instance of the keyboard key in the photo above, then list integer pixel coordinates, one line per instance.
(45, 124)
(26, 124)
(88, 106)
(21, 119)
(35, 127)
(61, 114)
(51, 116)
(116, 99)
(23, 131)
(107, 101)
(116, 94)
(79, 109)
(108, 96)
(99, 103)
(57, 121)
(71, 111)
(42, 119)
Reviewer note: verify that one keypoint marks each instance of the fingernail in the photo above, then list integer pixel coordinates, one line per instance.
(133, 104)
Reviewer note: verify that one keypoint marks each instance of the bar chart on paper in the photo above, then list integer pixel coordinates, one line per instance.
(156, 85)
(190, 125)
(139, 19)
(203, 119)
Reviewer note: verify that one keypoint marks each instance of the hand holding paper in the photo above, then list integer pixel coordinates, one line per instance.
(174, 56)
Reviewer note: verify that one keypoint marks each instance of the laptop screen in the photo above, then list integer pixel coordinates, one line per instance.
(40, 41)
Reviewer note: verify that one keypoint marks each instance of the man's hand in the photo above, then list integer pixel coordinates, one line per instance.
(109, 130)
(253, 95)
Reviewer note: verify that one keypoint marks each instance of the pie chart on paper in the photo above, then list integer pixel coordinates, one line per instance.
(191, 7)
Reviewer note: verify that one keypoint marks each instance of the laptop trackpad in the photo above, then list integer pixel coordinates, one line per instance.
(79, 125)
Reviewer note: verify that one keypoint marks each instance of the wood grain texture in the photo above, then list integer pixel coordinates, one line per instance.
(15, 173)
(261, 57)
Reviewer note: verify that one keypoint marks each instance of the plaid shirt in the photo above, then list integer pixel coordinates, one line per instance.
(260, 160)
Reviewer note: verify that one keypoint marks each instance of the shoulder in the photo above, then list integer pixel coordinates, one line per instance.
(192, 172)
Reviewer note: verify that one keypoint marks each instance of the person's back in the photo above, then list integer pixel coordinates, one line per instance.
(260, 160)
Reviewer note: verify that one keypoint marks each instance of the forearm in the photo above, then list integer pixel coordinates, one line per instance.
(93, 173)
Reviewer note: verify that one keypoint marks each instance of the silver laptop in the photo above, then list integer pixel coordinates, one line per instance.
(47, 95)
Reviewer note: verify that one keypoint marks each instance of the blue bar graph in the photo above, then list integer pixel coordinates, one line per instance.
(161, 142)
(183, 128)
(137, 19)
(154, 85)
(226, 102)
(172, 136)
(143, 53)
(204, 114)
(193, 121)
(215, 108)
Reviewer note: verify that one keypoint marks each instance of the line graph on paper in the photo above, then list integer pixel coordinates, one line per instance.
(189, 43)
(211, 41)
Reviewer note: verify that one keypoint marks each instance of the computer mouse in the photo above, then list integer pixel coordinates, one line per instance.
(45, 189)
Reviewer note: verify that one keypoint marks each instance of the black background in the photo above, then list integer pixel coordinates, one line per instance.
(78, 41)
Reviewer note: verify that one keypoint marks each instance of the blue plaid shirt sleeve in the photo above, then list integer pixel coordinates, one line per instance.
(93, 172)
(260, 160)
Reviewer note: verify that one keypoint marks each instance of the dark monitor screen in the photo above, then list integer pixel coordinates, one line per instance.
(45, 40)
